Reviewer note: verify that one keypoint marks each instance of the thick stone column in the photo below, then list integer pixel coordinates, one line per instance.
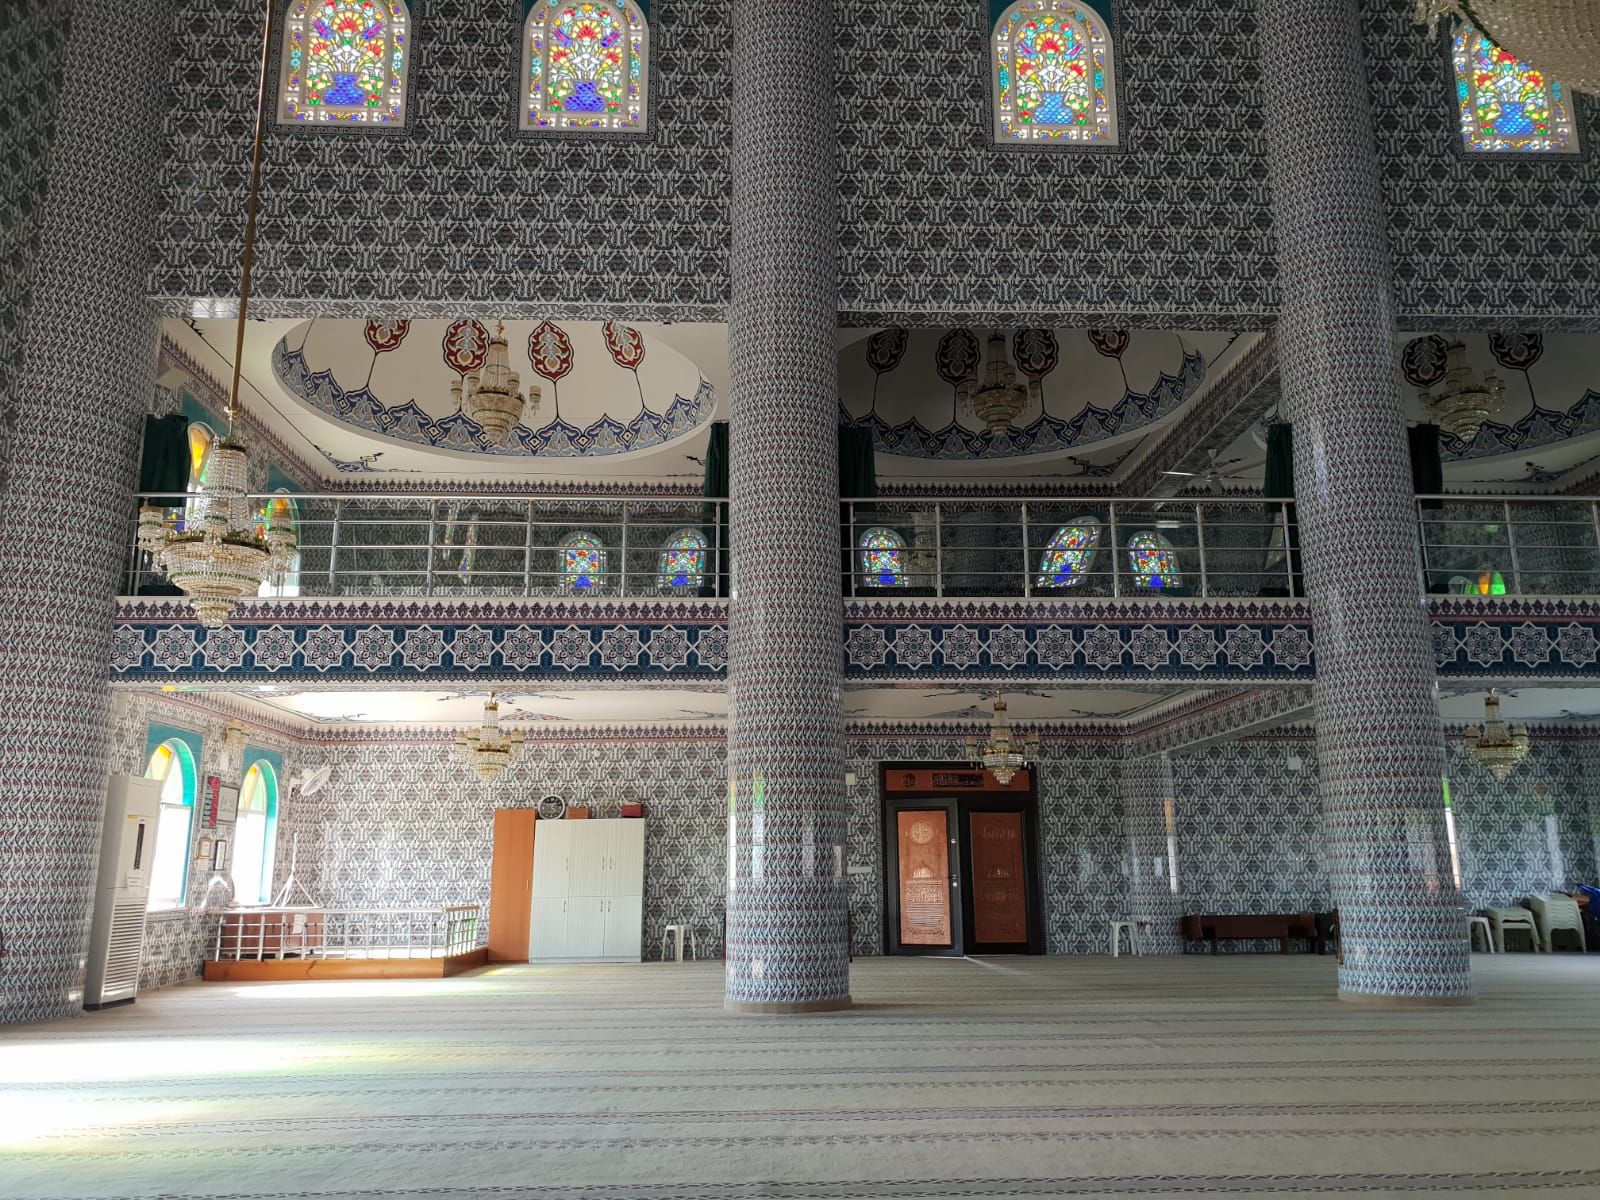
(84, 379)
(1147, 798)
(1379, 741)
(787, 896)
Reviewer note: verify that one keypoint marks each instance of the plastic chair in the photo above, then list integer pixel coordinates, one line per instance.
(1502, 919)
(1134, 934)
(1556, 911)
(1478, 925)
(679, 932)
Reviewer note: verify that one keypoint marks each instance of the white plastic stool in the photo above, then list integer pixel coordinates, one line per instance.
(680, 932)
(1133, 936)
(1473, 927)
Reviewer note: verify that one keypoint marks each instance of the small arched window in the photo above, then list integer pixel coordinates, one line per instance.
(583, 562)
(253, 835)
(172, 763)
(683, 561)
(585, 66)
(280, 512)
(1070, 554)
(1054, 82)
(1153, 561)
(883, 558)
(1506, 104)
(344, 63)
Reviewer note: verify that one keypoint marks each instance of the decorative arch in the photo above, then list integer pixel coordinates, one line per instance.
(1506, 105)
(254, 834)
(586, 66)
(583, 562)
(172, 762)
(1153, 561)
(1053, 75)
(883, 558)
(344, 62)
(1067, 559)
(281, 511)
(682, 567)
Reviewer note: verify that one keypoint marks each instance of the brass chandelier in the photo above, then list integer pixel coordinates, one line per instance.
(1561, 38)
(1496, 747)
(488, 749)
(1004, 753)
(1461, 404)
(492, 397)
(218, 556)
(997, 399)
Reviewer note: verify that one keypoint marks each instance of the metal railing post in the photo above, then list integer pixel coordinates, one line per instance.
(622, 589)
(1116, 551)
(938, 548)
(717, 516)
(427, 578)
(1200, 545)
(1594, 527)
(1027, 555)
(1288, 546)
(1511, 546)
(333, 548)
(1422, 549)
(850, 553)
(527, 552)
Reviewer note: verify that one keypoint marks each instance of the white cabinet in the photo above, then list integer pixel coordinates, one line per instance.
(588, 891)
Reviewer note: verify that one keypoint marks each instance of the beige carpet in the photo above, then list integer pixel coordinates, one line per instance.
(1236, 1076)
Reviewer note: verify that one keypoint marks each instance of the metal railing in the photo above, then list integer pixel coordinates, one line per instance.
(347, 933)
(1510, 545)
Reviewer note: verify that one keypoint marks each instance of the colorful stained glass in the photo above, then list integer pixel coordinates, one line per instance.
(883, 553)
(1067, 558)
(1053, 76)
(1153, 561)
(200, 441)
(1506, 104)
(585, 66)
(344, 61)
(583, 561)
(683, 562)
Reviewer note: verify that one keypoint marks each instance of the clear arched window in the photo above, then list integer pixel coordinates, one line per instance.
(1153, 561)
(883, 558)
(253, 835)
(585, 66)
(683, 561)
(344, 62)
(1505, 104)
(1070, 554)
(1053, 76)
(583, 562)
(201, 439)
(173, 763)
(281, 512)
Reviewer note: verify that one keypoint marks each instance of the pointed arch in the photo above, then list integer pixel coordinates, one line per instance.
(172, 763)
(586, 66)
(1067, 559)
(883, 558)
(1053, 75)
(682, 566)
(344, 62)
(583, 563)
(1504, 104)
(254, 834)
(1153, 561)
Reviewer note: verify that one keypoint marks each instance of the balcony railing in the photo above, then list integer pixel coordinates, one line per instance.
(897, 546)
(275, 933)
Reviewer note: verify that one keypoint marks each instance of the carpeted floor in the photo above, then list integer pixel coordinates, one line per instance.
(1235, 1076)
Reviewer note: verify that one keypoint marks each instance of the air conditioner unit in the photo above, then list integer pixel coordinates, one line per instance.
(122, 890)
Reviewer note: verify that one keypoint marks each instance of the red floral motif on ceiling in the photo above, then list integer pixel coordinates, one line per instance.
(550, 351)
(625, 343)
(466, 345)
(957, 356)
(1036, 351)
(1110, 342)
(885, 349)
(384, 336)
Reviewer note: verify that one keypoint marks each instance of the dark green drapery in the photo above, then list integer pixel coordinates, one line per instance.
(858, 479)
(1427, 471)
(1279, 485)
(716, 522)
(165, 466)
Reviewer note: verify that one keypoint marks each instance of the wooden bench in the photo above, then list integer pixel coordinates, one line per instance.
(1280, 927)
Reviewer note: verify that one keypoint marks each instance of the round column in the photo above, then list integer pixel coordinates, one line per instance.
(1147, 802)
(84, 380)
(787, 927)
(1379, 741)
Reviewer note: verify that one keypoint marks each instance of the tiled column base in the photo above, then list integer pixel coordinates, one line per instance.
(1379, 744)
(787, 894)
(1147, 797)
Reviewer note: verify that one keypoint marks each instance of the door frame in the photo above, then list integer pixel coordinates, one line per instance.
(892, 808)
(987, 797)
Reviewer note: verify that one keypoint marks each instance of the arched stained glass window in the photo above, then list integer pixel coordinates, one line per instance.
(585, 66)
(1053, 75)
(883, 558)
(201, 439)
(172, 762)
(345, 62)
(683, 561)
(1153, 561)
(253, 834)
(1505, 104)
(583, 562)
(280, 511)
(1069, 555)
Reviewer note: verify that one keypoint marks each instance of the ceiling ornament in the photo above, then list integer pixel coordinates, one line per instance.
(1113, 343)
(1461, 404)
(1423, 360)
(466, 346)
(1004, 753)
(218, 555)
(492, 396)
(550, 351)
(384, 336)
(997, 399)
(1497, 748)
(1561, 38)
(886, 349)
(1517, 351)
(957, 356)
(1037, 352)
(488, 749)
(625, 344)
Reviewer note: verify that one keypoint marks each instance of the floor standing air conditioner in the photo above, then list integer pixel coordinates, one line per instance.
(122, 890)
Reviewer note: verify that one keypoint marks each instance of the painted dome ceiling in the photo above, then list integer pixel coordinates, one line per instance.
(604, 388)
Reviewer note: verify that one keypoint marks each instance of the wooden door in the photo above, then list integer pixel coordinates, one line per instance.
(924, 905)
(999, 886)
(511, 884)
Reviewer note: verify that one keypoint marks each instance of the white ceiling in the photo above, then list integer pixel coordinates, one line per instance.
(1520, 703)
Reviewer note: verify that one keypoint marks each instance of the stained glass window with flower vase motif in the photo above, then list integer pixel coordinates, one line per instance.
(1506, 105)
(1153, 561)
(585, 66)
(1053, 76)
(345, 62)
(583, 562)
(1069, 555)
(683, 561)
(883, 554)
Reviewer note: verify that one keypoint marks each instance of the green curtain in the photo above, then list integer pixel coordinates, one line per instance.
(165, 466)
(715, 521)
(1279, 485)
(1427, 471)
(858, 479)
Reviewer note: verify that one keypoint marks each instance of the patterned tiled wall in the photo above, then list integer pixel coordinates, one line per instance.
(1147, 801)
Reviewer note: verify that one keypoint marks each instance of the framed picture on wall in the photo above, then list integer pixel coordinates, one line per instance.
(219, 856)
(228, 803)
(203, 848)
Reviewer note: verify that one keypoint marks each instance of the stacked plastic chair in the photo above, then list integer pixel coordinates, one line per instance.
(1555, 911)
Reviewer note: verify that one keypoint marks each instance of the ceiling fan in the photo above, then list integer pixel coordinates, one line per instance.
(1216, 472)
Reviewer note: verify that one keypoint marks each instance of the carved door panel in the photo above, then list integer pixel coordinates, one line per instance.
(999, 879)
(925, 901)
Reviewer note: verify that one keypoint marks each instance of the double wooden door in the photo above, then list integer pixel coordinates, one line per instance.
(961, 877)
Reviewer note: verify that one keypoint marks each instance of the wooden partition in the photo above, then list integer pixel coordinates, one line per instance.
(511, 884)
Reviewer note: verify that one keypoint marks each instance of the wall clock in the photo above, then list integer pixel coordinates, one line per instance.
(552, 808)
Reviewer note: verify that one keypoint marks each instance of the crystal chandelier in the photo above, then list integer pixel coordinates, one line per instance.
(1003, 754)
(1559, 37)
(218, 556)
(998, 399)
(487, 749)
(1460, 404)
(1496, 747)
(493, 397)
